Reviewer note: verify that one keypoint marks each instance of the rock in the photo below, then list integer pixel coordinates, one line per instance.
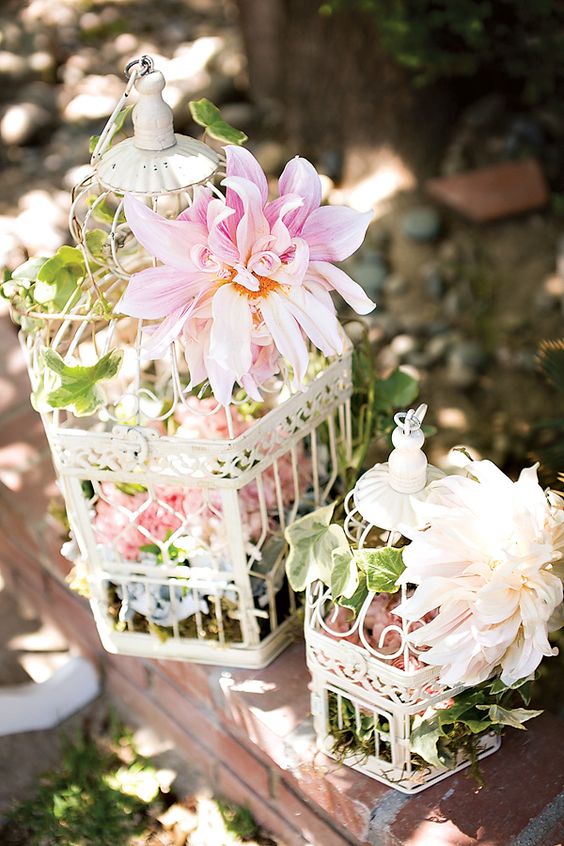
(239, 115)
(402, 345)
(421, 224)
(437, 347)
(396, 284)
(13, 67)
(453, 304)
(371, 271)
(494, 192)
(23, 122)
(465, 362)
(433, 281)
(525, 135)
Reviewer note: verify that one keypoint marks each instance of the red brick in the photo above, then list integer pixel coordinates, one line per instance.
(521, 780)
(146, 710)
(134, 669)
(212, 735)
(190, 678)
(493, 192)
(313, 828)
(273, 820)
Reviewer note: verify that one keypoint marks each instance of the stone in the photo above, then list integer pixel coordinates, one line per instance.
(371, 271)
(466, 360)
(494, 192)
(396, 284)
(422, 223)
(23, 122)
(437, 347)
(403, 345)
(433, 281)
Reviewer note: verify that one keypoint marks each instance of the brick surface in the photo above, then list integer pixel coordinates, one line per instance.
(493, 192)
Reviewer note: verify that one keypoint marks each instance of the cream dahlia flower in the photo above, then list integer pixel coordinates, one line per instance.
(487, 561)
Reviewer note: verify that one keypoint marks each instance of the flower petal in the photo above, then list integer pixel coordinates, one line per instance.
(335, 232)
(158, 291)
(286, 333)
(168, 240)
(252, 225)
(338, 280)
(221, 380)
(230, 337)
(241, 162)
(157, 339)
(318, 322)
(301, 178)
(220, 238)
(197, 211)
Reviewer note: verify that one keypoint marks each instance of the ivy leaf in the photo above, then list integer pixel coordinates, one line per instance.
(29, 270)
(95, 241)
(58, 278)
(79, 390)
(357, 600)
(514, 717)
(383, 567)
(312, 540)
(399, 390)
(424, 740)
(224, 132)
(206, 114)
(344, 572)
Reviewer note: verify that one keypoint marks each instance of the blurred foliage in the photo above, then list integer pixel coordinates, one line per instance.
(551, 453)
(447, 38)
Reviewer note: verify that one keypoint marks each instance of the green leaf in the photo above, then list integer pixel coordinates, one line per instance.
(514, 717)
(222, 131)
(312, 540)
(96, 239)
(383, 567)
(357, 600)
(78, 390)
(29, 270)
(344, 573)
(424, 739)
(204, 112)
(399, 390)
(59, 277)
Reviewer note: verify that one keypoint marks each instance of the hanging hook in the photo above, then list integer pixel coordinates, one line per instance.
(145, 62)
(412, 420)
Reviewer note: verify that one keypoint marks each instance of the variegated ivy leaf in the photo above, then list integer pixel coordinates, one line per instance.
(382, 567)
(425, 740)
(514, 717)
(206, 114)
(344, 572)
(312, 540)
(78, 389)
(58, 278)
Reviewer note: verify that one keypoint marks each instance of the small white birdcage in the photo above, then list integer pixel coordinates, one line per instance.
(177, 504)
(369, 688)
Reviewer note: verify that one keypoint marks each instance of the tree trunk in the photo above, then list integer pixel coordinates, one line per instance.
(338, 90)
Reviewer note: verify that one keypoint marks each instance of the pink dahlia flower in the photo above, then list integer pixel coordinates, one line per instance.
(243, 280)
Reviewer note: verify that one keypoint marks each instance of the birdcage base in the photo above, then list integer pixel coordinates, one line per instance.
(243, 656)
(399, 779)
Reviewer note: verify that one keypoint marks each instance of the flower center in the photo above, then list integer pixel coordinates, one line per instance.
(266, 285)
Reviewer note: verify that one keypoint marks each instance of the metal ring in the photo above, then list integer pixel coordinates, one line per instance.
(407, 421)
(146, 62)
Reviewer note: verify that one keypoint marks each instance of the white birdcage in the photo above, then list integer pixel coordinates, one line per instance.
(177, 505)
(369, 687)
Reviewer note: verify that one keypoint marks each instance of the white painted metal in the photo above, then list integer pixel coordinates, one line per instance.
(384, 680)
(229, 603)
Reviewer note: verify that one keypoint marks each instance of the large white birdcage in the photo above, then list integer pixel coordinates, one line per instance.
(177, 504)
(369, 687)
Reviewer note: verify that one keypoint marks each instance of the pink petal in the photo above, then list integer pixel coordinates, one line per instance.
(301, 178)
(318, 322)
(168, 240)
(230, 337)
(335, 232)
(158, 291)
(292, 271)
(241, 162)
(221, 381)
(282, 206)
(252, 225)
(197, 212)
(157, 339)
(286, 333)
(221, 239)
(337, 279)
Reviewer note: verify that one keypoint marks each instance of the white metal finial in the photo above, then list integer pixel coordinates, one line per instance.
(383, 495)
(152, 117)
